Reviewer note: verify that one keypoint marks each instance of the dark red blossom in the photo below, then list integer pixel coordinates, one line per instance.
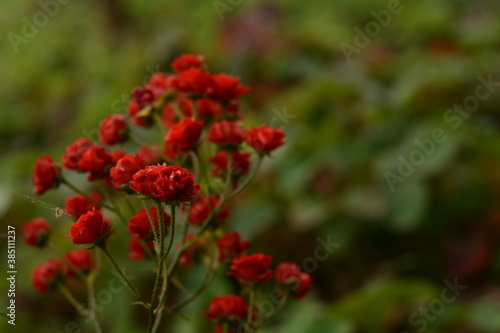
(74, 153)
(193, 81)
(252, 268)
(231, 245)
(265, 139)
(113, 129)
(240, 164)
(166, 183)
(159, 83)
(137, 250)
(79, 260)
(201, 209)
(140, 226)
(125, 168)
(46, 175)
(185, 134)
(187, 61)
(226, 88)
(90, 228)
(229, 307)
(225, 133)
(78, 205)
(96, 160)
(36, 232)
(117, 154)
(290, 273)
(46, 275)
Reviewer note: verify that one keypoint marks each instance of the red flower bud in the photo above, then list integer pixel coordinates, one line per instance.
(125, 168)
(78, 205)
(140, 226)
(36, 232)
(229, 307)
(231, 245)
(74, 153)
(80, 260)
(185, 134)
(95, 160)
(252, 268)
(226, 88)
(225, 133)
(193, 81)
(201, 209)
(46, 175)
(290, 273)
(48, 274)
(90, 228)
(187, 61)
(113, 129)
(240, 164)
(265, 139)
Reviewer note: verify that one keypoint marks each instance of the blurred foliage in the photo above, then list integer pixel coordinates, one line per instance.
(348, 123)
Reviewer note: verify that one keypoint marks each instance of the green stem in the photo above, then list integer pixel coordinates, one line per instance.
(251, 304)
(120, 273)
(92, 303)
(77, 190)
(247, 180)
(116, 209)
(153, 228)
(80, 308)
(171, 232)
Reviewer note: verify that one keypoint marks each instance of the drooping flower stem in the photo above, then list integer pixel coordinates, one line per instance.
(77, 190)
(120, 272)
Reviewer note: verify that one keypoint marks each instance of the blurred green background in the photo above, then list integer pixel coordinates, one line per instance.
(349, 122)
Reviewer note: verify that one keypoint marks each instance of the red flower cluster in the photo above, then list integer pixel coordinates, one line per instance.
(290, 273)
(90, 228)
(36, 232)
(227, 307)
(165, 183)
(78, 205)
(46, 275)
(46, 175)
(252, 268)
(139, 225)
(74, 153)
(113, 129)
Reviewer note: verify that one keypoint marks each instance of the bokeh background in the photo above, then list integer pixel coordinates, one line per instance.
(348, 121)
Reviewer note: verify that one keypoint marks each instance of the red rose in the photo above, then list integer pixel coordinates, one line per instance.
(90, 228)
(125, 168)
(166, 183)
(136, 250)
(225, 133)
(265, 139)
(185, 134)
(117, 154)
(149, 155)
(201, 208)
(252, 268)
(290, 273)
(80, 260)
(48, 274)
(187, 61)
(159, 83)
(173, 112)
(193, 81)
(95, 160)
(36, 232)
(226, 88)
(240, 164)
(208, 109)
(46, 175)
(74, 153)
(228, 307)
(140, 226)
(231, 245)
(113, 129)
(78, 205)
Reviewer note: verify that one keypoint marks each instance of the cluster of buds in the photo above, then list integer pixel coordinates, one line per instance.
(205, 159)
